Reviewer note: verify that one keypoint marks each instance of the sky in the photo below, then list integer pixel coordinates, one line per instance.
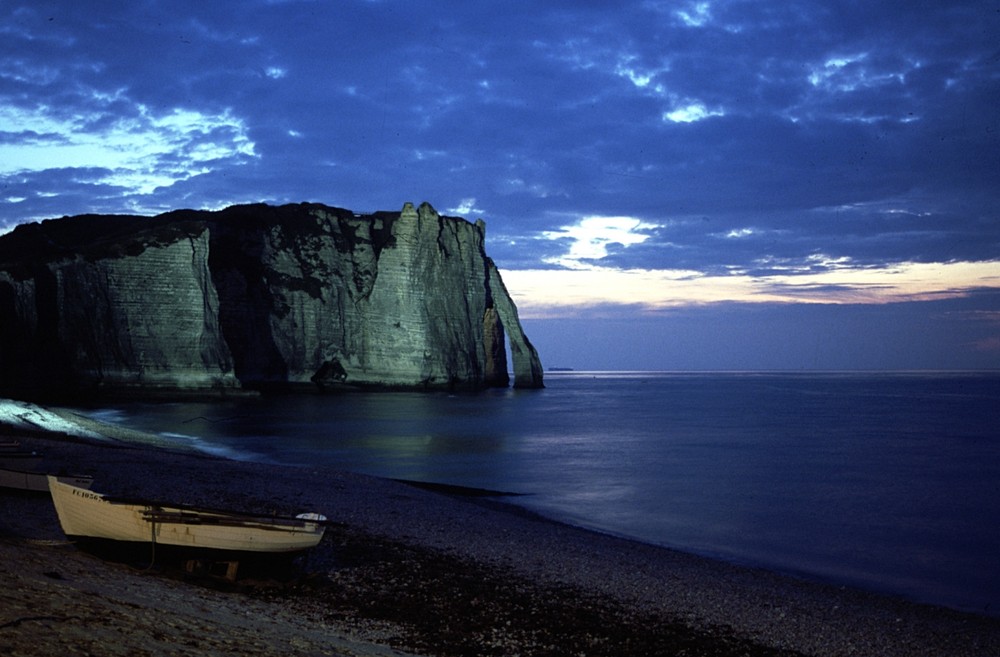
(672, 185)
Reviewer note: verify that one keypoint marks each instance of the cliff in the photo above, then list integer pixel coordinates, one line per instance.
(255, 297)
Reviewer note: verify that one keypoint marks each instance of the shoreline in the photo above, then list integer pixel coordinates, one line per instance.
(428, 572)
(973, 600)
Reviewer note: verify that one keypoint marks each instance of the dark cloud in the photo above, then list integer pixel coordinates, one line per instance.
(745, 130)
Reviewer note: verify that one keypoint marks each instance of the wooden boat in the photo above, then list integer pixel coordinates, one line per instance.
(38, 481)
(84, 514)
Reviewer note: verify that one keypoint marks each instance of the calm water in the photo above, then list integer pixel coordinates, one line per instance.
(889, 482)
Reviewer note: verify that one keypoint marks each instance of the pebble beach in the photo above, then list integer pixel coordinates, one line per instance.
(407, 570)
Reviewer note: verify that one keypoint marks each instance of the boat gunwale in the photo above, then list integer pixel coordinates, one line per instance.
(181, 507)
(228, 519)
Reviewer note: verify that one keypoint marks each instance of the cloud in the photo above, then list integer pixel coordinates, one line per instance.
(138, 152)
(591, 237)
(697, 15)
(466, 207)
(725, 139)
(691, 113)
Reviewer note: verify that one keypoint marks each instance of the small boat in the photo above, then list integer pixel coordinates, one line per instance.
(9, 444)
(38, 481)
(84, 514)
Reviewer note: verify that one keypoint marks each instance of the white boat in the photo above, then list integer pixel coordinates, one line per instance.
(84, 514)
(38, 481)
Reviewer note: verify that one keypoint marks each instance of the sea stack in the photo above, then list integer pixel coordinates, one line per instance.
(255, 297)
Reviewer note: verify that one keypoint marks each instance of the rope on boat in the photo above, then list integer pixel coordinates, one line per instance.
(152, 545)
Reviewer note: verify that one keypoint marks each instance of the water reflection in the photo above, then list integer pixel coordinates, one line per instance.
(404, 435)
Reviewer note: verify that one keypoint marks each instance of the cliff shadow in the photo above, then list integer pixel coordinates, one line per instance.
(245, 305)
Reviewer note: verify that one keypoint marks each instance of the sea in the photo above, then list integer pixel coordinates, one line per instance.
(885, 481)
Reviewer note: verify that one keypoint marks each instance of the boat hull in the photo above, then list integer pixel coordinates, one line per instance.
(84, 514)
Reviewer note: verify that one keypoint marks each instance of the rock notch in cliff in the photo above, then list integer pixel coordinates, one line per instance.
(256, 297)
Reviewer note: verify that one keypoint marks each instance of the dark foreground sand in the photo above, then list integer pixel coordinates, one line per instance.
(411, 571)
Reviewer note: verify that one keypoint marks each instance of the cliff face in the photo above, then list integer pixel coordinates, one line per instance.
(255, 297)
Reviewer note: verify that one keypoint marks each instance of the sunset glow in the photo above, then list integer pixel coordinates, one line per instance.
(548, 293)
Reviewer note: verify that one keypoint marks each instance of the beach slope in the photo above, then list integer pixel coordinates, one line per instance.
(408, 570)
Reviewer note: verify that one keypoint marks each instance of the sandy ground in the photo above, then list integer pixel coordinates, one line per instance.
(404, 570)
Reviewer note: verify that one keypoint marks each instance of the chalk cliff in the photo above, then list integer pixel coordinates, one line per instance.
(256, 297)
